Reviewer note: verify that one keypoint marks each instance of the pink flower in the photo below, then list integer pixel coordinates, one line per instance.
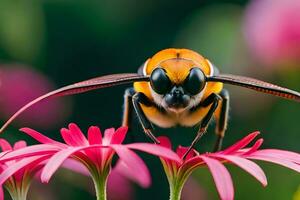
(272, 28)
(94, 152)
(119, 187)
(178, 172)
(18, 86)
(16, 175)
(193, 190)
(17, 184)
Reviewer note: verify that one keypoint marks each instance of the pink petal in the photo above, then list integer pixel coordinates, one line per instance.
(38, 136)
(192, 163)
(76, 166)
(182, 150)
(55, 162)
(1, 193)
(5, 146)
(67, 136)
(287, 155)
(19, 145)
(108, 134)
(77, 134)
(165, 142)
(12, 169)
(255, 147)
(134, 165)
(119, 136)
(248, 166)
(39, 149)
(94, 135)
(221, 177)
(58, 159)
(241, 144)
(155, 150)
(130, 174)
(279, 161)
(2, 154)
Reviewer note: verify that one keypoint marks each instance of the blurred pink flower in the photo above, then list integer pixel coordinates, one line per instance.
(94, 152)
(119, 187)
(192, 190)
(17, 183)
(178, 172)
(18, 86)
(272, 28)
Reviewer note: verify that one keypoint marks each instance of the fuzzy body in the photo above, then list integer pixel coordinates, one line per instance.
(177, 64)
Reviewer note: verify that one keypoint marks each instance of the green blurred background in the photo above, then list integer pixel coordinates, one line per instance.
(69, 41)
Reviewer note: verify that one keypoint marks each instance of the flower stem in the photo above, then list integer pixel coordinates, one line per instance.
(100, 187)
(100, 182)
(175, 189)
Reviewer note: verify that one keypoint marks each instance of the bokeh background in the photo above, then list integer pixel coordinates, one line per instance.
(45, 44)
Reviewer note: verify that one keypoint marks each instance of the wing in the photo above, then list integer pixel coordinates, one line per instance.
(257, 85)
(80, 87)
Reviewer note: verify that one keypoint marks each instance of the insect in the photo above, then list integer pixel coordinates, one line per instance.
(174, 87)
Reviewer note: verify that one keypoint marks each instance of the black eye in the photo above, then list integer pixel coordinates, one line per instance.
(195, 81)
(159, 81)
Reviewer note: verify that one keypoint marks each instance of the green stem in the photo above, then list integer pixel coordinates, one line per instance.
(175, 189)
(100, 182)
(100, 187)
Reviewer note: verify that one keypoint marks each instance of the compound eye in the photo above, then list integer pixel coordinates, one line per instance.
(195, 81)
(159, 81)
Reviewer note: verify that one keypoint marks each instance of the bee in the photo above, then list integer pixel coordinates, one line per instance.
(174, 87)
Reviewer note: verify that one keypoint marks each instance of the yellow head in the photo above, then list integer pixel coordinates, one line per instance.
(177, 78)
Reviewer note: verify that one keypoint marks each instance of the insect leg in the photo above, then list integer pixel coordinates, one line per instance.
(212, 100)
(127, 109)
(222, 119)
(137, 99)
